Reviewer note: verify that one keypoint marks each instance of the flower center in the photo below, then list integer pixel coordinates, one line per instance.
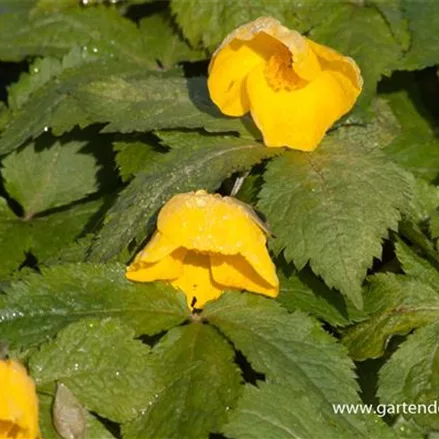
(280, 73)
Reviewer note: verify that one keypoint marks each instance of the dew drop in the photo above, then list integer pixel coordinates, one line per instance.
(84, 2)
(117, 373)
(46, 129)
(35, 70)
(95, 50)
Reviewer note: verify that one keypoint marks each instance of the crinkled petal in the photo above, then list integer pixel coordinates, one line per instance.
(245, 48)
(299, 118)
(261, 262)
(235, 272)
(333, 61)
(158, 247)
(210, 224)
(228, 69)
(196, 280)
(306, 64)
(18, 402)
(168, 268)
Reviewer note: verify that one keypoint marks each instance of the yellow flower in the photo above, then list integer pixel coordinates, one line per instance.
(205, 244)
(18, 402)
(294, 88)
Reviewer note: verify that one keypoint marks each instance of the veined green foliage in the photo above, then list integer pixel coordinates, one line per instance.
(105, 114)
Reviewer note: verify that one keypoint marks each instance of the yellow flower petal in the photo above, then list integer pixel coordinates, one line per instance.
(228, 70)
(299, 118)
(157, 248)
(18, 402)
(209, 223)
(333, 61)
(295, 91)
(235, 272)
(170, 267)
(196, 280)
(257, 256)
(197, 228)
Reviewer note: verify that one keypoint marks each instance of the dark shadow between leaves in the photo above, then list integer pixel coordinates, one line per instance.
(152, 340)
(137, 12)
(250, 375)
(112, 427)
(217, 436)
(10, 73)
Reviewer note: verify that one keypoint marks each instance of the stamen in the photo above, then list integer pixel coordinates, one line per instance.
(279, 71)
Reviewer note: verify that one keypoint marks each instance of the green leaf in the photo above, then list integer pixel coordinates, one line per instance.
(397, 304)
(44, 236)
(52, 105)
(417, 148)
(12, 241)
(411, 376)
(200, 162)
(60, 174)
(101, 31)
(332, 208)
(425, 200)
(40, 306)
(416, 236)
(423, 17)
(53, 5)
(392, 11)
(41, 72)
(50, 234)
(153, 101)
(377, 133)
(363, 34)
(121, 94)
(94, 429)
(133, 157)
(164, 44)
(273, 411)
(434, 224)
(4, 115)
(207, 23)
(198, 384)
(303, 291)
(294, 353)
(98, 360)
(407, 429)
(417, 267)
(8, 6)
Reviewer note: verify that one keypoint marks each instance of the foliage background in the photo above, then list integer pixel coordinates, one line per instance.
(105, 115)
